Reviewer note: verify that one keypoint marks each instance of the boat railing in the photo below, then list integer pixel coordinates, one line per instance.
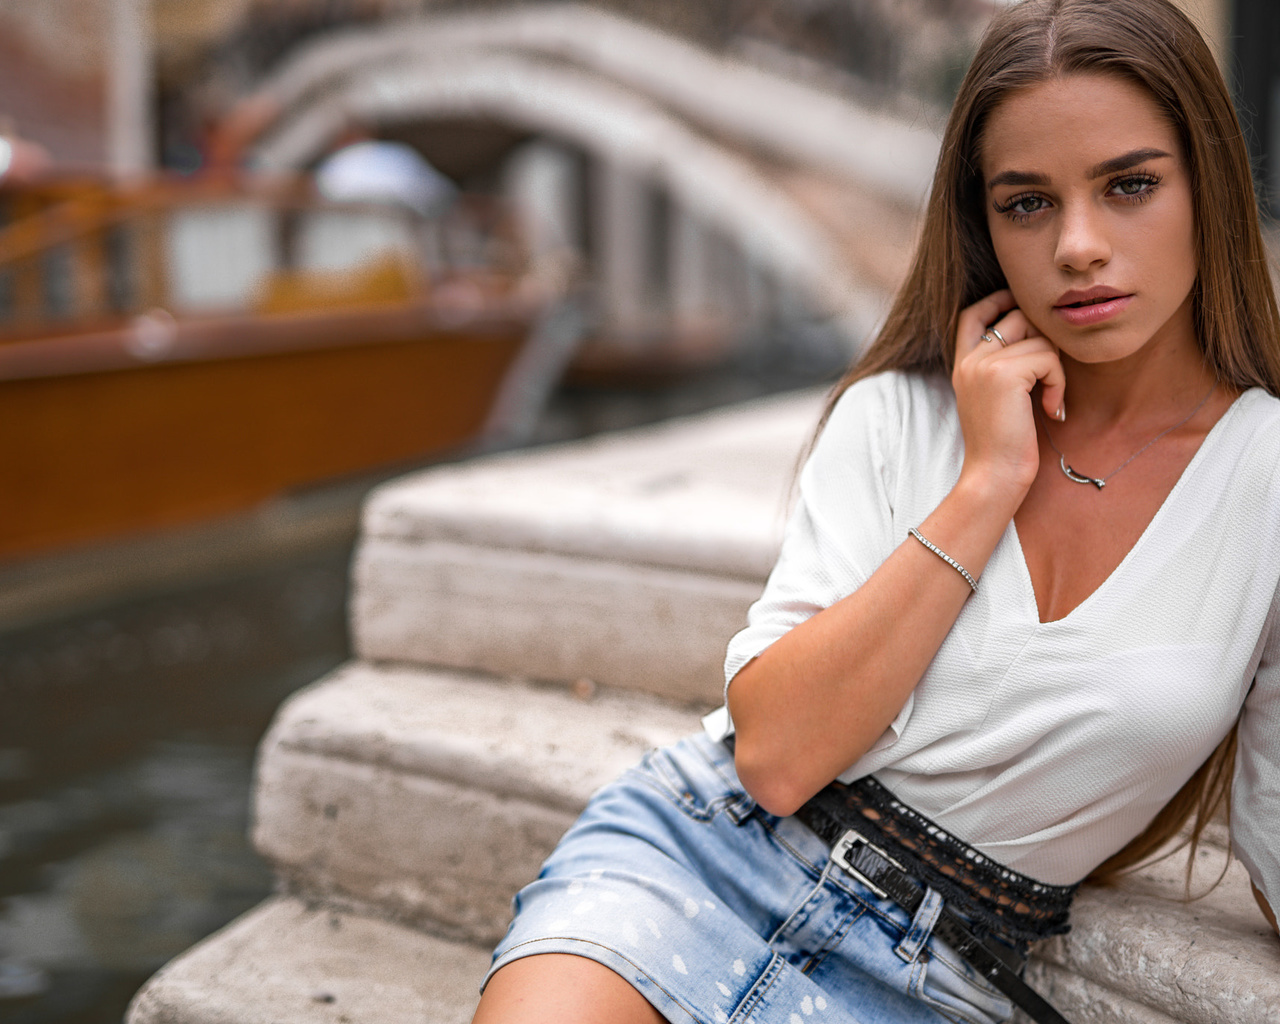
(95, 256)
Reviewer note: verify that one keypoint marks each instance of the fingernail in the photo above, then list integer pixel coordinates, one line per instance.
(1061, 415)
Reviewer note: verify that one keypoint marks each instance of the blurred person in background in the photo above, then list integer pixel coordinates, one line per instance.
(21, 161)
(382, 171)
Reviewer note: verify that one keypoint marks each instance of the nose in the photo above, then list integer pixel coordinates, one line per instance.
(1082, 238)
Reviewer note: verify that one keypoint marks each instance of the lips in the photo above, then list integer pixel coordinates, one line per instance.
(1092, 306)
(1089, 296)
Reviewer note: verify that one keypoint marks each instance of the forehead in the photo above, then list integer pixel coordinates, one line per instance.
(1067, 124)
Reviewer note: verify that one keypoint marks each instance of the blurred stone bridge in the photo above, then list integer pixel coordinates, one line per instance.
(699, 195)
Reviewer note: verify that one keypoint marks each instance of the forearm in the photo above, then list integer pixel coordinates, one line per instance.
(819, 697)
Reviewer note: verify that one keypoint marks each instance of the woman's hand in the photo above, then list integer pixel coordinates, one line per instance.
(993, 384)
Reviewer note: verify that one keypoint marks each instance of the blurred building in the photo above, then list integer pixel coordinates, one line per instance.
(694, 236)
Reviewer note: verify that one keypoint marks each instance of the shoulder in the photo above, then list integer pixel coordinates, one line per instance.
(1227, 505)
(1256, 415)
(888, 405)
(879, 426)
(1246, 451)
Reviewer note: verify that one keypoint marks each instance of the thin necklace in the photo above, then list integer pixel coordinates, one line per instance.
(1101, 481)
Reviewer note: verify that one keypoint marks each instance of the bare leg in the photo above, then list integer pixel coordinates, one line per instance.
(560, 988)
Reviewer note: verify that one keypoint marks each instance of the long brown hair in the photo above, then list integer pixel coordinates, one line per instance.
(1151, 43)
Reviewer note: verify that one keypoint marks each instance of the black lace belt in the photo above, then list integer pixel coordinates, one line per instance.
(995, 899)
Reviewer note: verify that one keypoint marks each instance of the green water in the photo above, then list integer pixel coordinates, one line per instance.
(126, 747)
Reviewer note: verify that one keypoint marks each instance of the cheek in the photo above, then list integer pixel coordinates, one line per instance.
(999, 245)
(1164, 260)
(1015, 263)
(1175, 248)
(1024, 275)
(1185, 242)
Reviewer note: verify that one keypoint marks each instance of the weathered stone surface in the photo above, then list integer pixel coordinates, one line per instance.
(705, 493)
(433, 795)
(289, 963)
(627, 560)
(1209, 961)
(549, 616)
(425, 852)
(1085, 1002)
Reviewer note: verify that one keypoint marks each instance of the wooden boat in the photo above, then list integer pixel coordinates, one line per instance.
(175, 352)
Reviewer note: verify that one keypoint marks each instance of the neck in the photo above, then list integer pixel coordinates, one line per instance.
(1162, 380)
(1101, 397)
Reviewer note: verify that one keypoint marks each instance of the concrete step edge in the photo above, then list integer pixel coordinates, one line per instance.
(505, 736)
(288, 961)
(548, 616)
(434, 795)
(1210, 961)
(645, 495)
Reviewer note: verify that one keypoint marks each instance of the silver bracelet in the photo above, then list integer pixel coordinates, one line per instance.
(945, 557)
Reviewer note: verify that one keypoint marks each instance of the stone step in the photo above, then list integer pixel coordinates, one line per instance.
(431, 796)
(628, 560)
(1143, 954)
(290, 962)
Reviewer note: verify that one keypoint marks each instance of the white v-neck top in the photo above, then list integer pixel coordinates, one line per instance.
(1050, 745)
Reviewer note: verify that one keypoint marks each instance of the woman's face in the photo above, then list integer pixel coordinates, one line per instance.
(1089, 207)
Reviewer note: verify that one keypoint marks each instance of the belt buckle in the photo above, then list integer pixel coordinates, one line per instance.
(848, 844)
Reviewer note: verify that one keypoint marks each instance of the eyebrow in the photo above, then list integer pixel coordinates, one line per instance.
(1118, 163)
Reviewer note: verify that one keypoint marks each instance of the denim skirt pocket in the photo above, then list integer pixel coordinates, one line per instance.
(956, 990)
(697, 776)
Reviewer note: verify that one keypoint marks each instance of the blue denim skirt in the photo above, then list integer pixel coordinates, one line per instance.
(718, 911)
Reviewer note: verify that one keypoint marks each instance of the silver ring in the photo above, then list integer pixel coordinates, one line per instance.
(986, 337)
(999, 336)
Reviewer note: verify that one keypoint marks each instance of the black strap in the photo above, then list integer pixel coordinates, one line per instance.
(989, 958)
(953, 931)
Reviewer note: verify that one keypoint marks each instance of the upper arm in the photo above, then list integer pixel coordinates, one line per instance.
(1255, 791)
(841, 528)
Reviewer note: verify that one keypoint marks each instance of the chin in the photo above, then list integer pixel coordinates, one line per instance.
(1103, 352)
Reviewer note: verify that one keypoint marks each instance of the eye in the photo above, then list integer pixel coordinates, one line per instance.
(1137, 187)
(1021, 207)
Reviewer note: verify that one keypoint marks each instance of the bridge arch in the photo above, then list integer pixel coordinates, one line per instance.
(706, 132)
(710, 182)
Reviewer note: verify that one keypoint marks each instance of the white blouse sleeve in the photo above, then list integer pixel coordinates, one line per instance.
(842, 526)
(1255, 792)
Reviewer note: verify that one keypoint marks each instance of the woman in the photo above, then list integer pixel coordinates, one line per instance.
(1072, 409)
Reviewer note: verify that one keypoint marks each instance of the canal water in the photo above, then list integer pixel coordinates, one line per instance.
(127, 736)
(126, 753)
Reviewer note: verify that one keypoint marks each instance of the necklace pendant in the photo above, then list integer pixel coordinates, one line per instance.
(1079, 478)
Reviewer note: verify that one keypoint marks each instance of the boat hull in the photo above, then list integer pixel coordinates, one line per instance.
(132, 445)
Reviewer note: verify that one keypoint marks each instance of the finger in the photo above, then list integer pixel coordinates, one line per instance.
(974, 319)
(1038, 357)
(1017, 329)
(1053, 390)
(1013, 328)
